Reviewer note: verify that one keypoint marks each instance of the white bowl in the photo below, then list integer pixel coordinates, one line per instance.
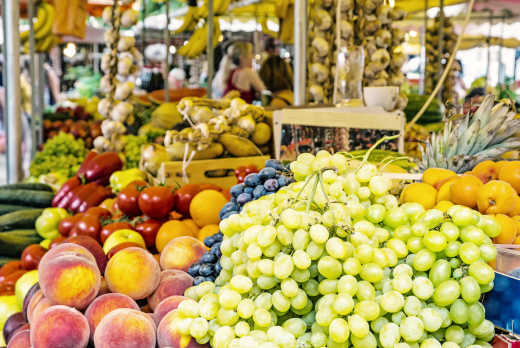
(385, 97)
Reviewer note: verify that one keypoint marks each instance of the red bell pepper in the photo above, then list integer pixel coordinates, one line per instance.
(95, 198)
(71, 184)
(101, 167)
(81, 195)
(90, 156)
(64, 203)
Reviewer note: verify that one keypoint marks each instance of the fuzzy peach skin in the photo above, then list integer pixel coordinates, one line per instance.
(125, 328)
(93, 246)
(21, 339)
(170, 284)
(166, 306)
(37, 305)
(68, 248)
(105, 304)
(181, 252)
(70, 278)
(134, 272)
(60, 326)
(168, 334)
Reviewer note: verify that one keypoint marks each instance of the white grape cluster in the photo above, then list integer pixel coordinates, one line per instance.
(333, 260)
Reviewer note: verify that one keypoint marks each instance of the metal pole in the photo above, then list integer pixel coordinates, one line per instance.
(300, 51)
(12, 111)
(167, 58)
(143, 33)
(424, 58)
(489, 48)
(35, 106)
(441, 47)
(210, 49)
(501, 72)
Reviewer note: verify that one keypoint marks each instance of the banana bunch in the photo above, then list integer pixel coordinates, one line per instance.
(284, 10)
(190, 20)
(219, 8)
(45, 38)
(198, 41)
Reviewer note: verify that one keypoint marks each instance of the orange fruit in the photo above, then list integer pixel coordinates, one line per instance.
(485, 171)
(496, 197)
(168, 231)
(434, 176)
(509, 229)
(205, 207)
(419, 192)
(464, 190)
(444, 189)
(511, 173)
(516, 208)
(207, 231)
(192, 226)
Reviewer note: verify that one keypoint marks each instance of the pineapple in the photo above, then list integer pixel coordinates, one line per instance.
(469, 140)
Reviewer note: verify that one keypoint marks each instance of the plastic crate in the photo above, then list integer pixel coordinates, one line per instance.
(503, 303)
(508, 259)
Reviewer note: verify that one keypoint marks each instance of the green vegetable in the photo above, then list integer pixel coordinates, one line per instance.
(62, 154)
(19, 219)
(47, 223)
(9, 208)
(27, 186)
(12, 243)
(30, 198)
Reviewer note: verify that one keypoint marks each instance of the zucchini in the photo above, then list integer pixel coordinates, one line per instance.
(12, 243)
(33, 198)
(37, 186)
(5, 259)
(9, 208)
(19, 219)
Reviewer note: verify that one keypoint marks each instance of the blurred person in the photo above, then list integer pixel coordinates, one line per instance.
(460, 87)
(278, 78)
(176, 78)
(473, 99)
(236, 73)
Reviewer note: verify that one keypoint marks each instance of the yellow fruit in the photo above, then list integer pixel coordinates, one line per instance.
(177, 149)
(205, 207)
(421, 193)
(239, 146)
(207, 231)
(262, 134)
(433, 176)
(444, 206)
(192, 226)
(169, 230)
(444, 193)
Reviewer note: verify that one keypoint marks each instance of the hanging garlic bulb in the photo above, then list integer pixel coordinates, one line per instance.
(124, 90)
(122, 111)
(125, 43)
(104, 107)
(129, 18)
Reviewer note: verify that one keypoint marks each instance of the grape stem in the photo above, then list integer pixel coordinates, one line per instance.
(313, 192)
(379, 142)
(390, 160)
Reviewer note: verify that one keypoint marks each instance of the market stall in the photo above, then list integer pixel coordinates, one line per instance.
(177, 220)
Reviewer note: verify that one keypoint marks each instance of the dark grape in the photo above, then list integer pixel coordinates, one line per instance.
(271, 163)
(248, 190)
(206, 269)
(209, 241)
(194, 269)
(259, 191)
(267, 173)
(208, 258)
(236, 190)
(271, 185)
(215, 250)
(218, 268)
(243, 198)
(252, 180)
(198, 280)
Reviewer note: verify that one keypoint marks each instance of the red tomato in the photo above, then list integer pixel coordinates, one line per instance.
(127, 199)
(66, 225)
(251, 169)
(183, 198)
(148, 229)
(240, 170)
(10, 267)
(156, 202)
(11, 278)
(88, 225)
(56, 241)
(99, 212)
(31, 256)
(108, 229)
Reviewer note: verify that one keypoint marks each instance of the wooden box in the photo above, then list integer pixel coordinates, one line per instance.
(219, 171)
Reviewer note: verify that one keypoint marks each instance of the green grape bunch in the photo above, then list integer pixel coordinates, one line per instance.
(132, 150)
(333, 260)
(63, 153)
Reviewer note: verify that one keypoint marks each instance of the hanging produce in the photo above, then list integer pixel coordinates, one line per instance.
(43, 33)
(118, 65)
(438, 51)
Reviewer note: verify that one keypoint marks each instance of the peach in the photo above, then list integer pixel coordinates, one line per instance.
(37, 305)
(170, 284)
(181, 252)
(103, 289)
(70, 278)
(21, 339)
(93, 246)
(166, 306)
(105, 304)
(60, 326)
(168, 334)
(134, 272)
(128, 328)
(67, 248)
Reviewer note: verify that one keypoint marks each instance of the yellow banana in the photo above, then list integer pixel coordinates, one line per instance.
(265, 29)
(189, 20)
(45, 44)
(200, 39)
(222, 7)
(41, 18)
(202, 12)
(46, 29)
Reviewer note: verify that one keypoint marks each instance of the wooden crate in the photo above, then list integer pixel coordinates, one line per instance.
(170, 173)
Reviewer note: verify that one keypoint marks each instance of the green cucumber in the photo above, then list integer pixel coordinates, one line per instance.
(27, 186)
(19, 219)
(9, 208)
(12, 243)
(33, 198)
